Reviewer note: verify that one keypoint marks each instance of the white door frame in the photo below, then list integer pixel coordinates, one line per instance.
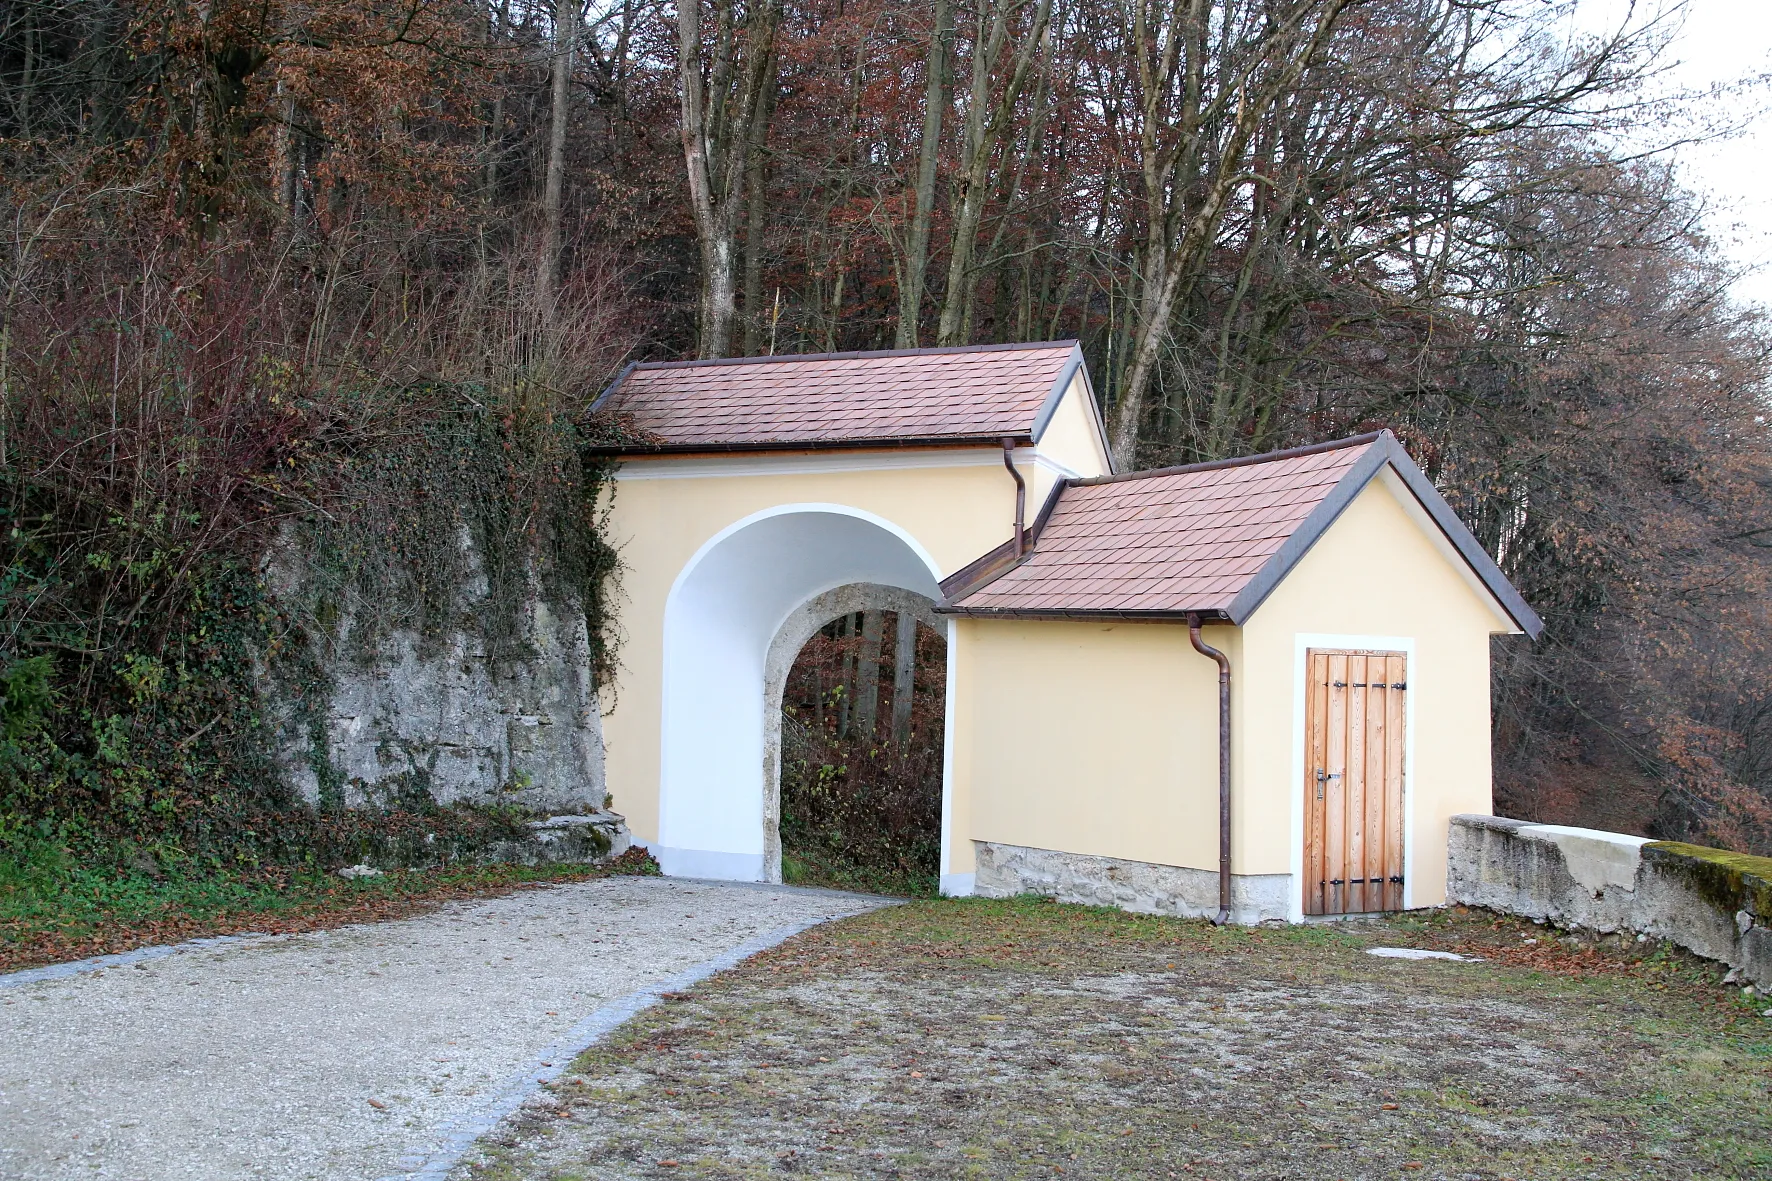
(1302, 643)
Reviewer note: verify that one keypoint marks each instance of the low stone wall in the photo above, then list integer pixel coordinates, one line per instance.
(558, 840)
(1713, 903)
(1005, 871)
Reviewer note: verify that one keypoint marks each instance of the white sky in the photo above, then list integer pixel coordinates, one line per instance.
(1721, 42)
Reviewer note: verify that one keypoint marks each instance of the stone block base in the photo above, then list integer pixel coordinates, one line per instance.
(1141, 887)
(565, 840)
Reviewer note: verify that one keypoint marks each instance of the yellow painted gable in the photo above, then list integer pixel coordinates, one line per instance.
(1073, 435)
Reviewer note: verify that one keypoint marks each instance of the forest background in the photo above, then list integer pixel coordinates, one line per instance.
(353, 270)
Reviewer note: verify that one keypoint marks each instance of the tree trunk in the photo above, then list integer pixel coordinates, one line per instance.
(756, 196)
(498, 36)
(916, 250)
(985, 127)
(867, 674)
(565, 35)
(288, 163)
(904, 677)
(718, 131)
(845, 677)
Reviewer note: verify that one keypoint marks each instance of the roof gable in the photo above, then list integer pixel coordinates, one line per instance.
(1213, 539)
(933, 397)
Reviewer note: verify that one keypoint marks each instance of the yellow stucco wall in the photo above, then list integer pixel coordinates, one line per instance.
(1101, 738)
(1085, 737)
(659, 524)
(1073, 435)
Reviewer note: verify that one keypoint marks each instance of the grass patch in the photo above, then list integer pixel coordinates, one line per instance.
(1023, 1039)
(52, 910)
(802, 867)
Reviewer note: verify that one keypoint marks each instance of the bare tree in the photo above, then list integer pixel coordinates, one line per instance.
(989, 120)
(916, 249)
(566, 14)
(721, 92)
(1203, 87)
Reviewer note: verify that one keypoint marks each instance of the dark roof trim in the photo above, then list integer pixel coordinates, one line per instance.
(1213, 465)
(987, 568)
(1385, 452)
(1208, 616)
(1074, 366)
(862, 355)
(1056, 395)
(612, 387)
(861, 443)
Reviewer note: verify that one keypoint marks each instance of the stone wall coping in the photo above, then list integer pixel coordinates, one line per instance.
(1496, 823)
(1555, 831)
(1594, 858)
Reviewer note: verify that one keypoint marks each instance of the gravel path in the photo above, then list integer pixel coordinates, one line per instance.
(355, 1054)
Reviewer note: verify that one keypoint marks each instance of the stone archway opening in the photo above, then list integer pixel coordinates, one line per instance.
(858, 742)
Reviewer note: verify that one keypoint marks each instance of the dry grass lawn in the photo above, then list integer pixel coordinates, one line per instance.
(1028, 1039)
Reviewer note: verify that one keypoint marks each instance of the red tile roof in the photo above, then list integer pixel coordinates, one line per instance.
(1211, 538)
(979, 394)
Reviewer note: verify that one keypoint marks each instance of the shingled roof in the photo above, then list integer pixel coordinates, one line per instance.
(1213, 538)
(913, 397)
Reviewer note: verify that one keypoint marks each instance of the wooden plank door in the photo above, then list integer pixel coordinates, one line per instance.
(1353, 781)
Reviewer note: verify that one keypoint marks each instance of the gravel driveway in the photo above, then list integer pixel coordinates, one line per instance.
(359, 1053)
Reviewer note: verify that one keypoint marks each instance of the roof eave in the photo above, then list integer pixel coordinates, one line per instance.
(1213, 465)
(1209, 614)
(859, 355)
(889, 443)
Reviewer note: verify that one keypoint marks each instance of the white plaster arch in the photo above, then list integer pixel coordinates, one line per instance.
(724, 610)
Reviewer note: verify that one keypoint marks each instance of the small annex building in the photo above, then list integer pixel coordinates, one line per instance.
(759, 499)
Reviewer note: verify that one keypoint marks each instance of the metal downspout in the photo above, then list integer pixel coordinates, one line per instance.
(1224, 765)
(1021, 497)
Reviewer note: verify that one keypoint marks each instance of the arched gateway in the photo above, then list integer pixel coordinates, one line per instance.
(759, 493)
(1253, 689)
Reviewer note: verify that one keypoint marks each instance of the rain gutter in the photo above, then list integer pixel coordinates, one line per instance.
(1224, 766)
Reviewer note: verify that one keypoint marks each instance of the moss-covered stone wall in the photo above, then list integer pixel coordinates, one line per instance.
(1713, 902)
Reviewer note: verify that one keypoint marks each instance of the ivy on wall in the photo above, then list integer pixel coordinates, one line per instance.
(195, 524)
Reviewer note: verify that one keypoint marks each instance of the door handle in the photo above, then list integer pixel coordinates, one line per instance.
(1322, 778)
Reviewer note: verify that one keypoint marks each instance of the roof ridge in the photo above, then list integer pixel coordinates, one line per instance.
(855, 355)
(1210, 465)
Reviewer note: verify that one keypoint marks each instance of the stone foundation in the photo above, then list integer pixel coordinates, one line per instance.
(1142, 887)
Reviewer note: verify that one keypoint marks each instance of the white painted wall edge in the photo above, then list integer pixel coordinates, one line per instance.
(711, 864)
(951, 688)
(1302, 643)
(958, 885)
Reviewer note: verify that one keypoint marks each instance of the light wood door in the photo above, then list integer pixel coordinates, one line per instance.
(1353, 781)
